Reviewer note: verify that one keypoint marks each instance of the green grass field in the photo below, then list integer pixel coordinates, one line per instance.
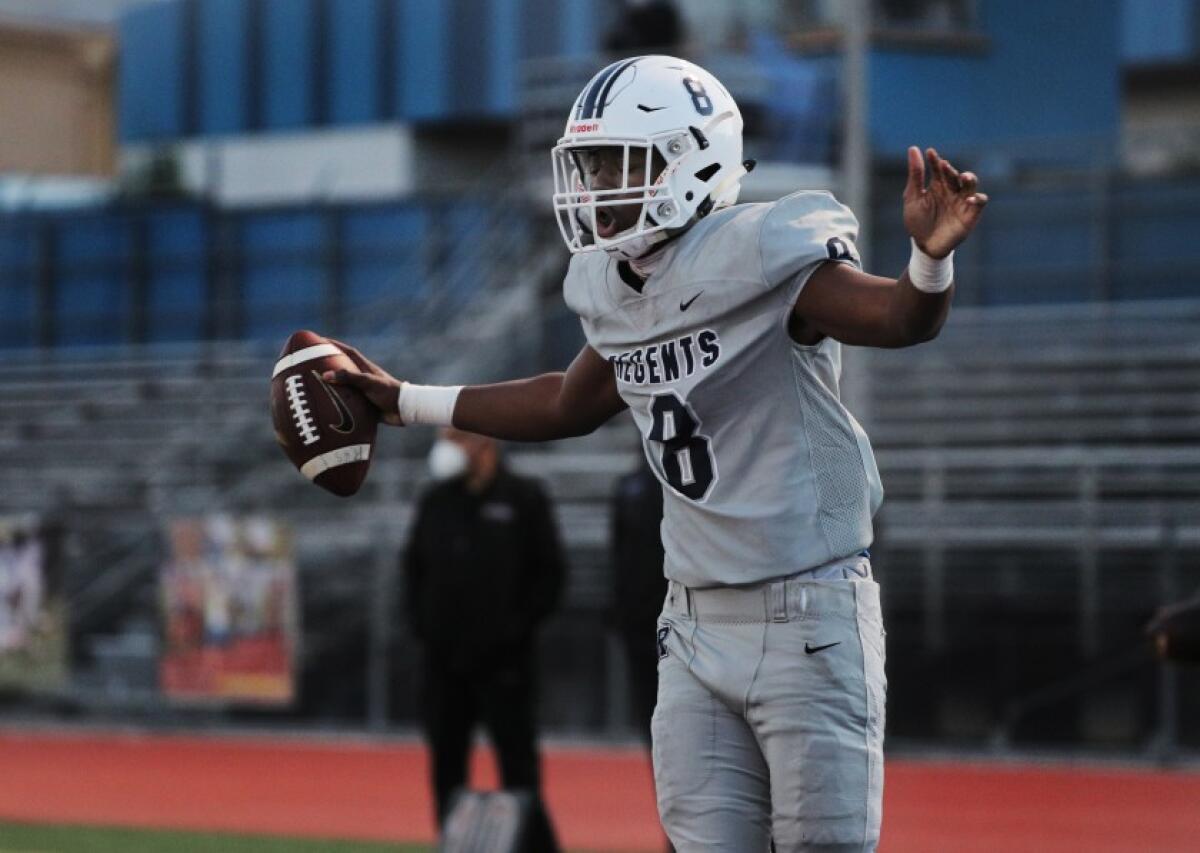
(27, 838)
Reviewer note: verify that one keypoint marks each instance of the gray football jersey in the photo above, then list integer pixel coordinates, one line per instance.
(765, 472)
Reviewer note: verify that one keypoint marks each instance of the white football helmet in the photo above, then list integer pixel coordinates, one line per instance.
(644, 106)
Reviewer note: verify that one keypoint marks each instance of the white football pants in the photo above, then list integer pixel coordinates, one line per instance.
(770, 715)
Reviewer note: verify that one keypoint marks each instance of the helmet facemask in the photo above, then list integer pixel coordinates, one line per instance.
(603, 184)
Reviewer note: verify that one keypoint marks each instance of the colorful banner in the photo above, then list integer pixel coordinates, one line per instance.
(33, 623)
(230, 614)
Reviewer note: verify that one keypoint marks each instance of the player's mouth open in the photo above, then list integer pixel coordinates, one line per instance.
(606, 222)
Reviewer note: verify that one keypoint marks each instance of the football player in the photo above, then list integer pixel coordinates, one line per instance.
(720, 327)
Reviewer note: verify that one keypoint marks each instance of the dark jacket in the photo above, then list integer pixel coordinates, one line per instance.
(637, 553)
(482, 571)
(1175, 630)
(646, 28)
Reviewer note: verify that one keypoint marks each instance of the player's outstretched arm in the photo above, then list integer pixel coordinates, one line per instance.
(546, 407)
(541, 408)
(841, 302)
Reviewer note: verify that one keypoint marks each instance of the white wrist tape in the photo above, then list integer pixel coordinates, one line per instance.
(427, 404)
(928, 274)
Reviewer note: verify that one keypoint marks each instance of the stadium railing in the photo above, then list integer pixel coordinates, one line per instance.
(1043, 486)
(112, 441)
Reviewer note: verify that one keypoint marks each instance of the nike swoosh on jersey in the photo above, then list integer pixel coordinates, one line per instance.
(346, 425)
(683, 306)
(812, 650)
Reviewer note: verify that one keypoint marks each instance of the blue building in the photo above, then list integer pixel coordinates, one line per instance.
(1003, 71)
(324, 154)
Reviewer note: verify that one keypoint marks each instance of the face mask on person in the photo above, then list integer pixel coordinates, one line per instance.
(447, 460)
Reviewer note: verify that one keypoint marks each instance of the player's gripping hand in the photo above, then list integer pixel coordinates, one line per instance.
(941, 215)
(376, 384)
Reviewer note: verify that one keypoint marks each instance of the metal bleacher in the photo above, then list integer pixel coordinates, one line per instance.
(1041, 464)
(1062, 422)
(1042, 469)
(107, 444)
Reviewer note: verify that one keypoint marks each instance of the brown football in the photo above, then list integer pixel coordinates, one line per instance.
(328, 431)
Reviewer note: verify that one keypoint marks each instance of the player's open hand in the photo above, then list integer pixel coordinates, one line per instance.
(376, 384)
(941, 215)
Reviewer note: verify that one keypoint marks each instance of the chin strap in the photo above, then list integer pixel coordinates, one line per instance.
(647, 263)
(730, 181)
(636, 247)
(639, 248)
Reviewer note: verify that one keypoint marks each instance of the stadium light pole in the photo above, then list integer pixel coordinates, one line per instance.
(856, 145)
(379, 669)
(856, 172)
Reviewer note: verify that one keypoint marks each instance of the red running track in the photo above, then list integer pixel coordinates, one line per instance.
(601, 799)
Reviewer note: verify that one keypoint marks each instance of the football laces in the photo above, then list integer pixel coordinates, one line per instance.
(301, 413)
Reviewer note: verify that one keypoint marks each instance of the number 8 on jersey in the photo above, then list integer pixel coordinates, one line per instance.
(687, 460)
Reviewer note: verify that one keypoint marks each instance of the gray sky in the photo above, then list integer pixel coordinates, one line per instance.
(88, 12)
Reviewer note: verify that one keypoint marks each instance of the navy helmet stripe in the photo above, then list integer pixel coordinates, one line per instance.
(609, 84)
(587, 104)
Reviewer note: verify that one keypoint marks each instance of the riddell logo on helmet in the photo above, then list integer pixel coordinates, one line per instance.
(586, 127)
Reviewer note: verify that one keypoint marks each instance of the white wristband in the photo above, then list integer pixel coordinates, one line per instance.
(930, 275)
(427, 404)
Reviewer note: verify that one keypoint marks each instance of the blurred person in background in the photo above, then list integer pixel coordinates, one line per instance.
(483, 568)
(645, 25)
(1175, 631)
(639, 585)
(22, 588)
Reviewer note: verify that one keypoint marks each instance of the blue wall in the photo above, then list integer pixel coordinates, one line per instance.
(177, 289)
(197, 67)
(289, 53)
(184, 272)
(18, 271)
(1159, 30)
(421, 61)
(1048, 70)
(151, 75)
(222, 67)
(1130, 240)
(90, 297)
(354, 75)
